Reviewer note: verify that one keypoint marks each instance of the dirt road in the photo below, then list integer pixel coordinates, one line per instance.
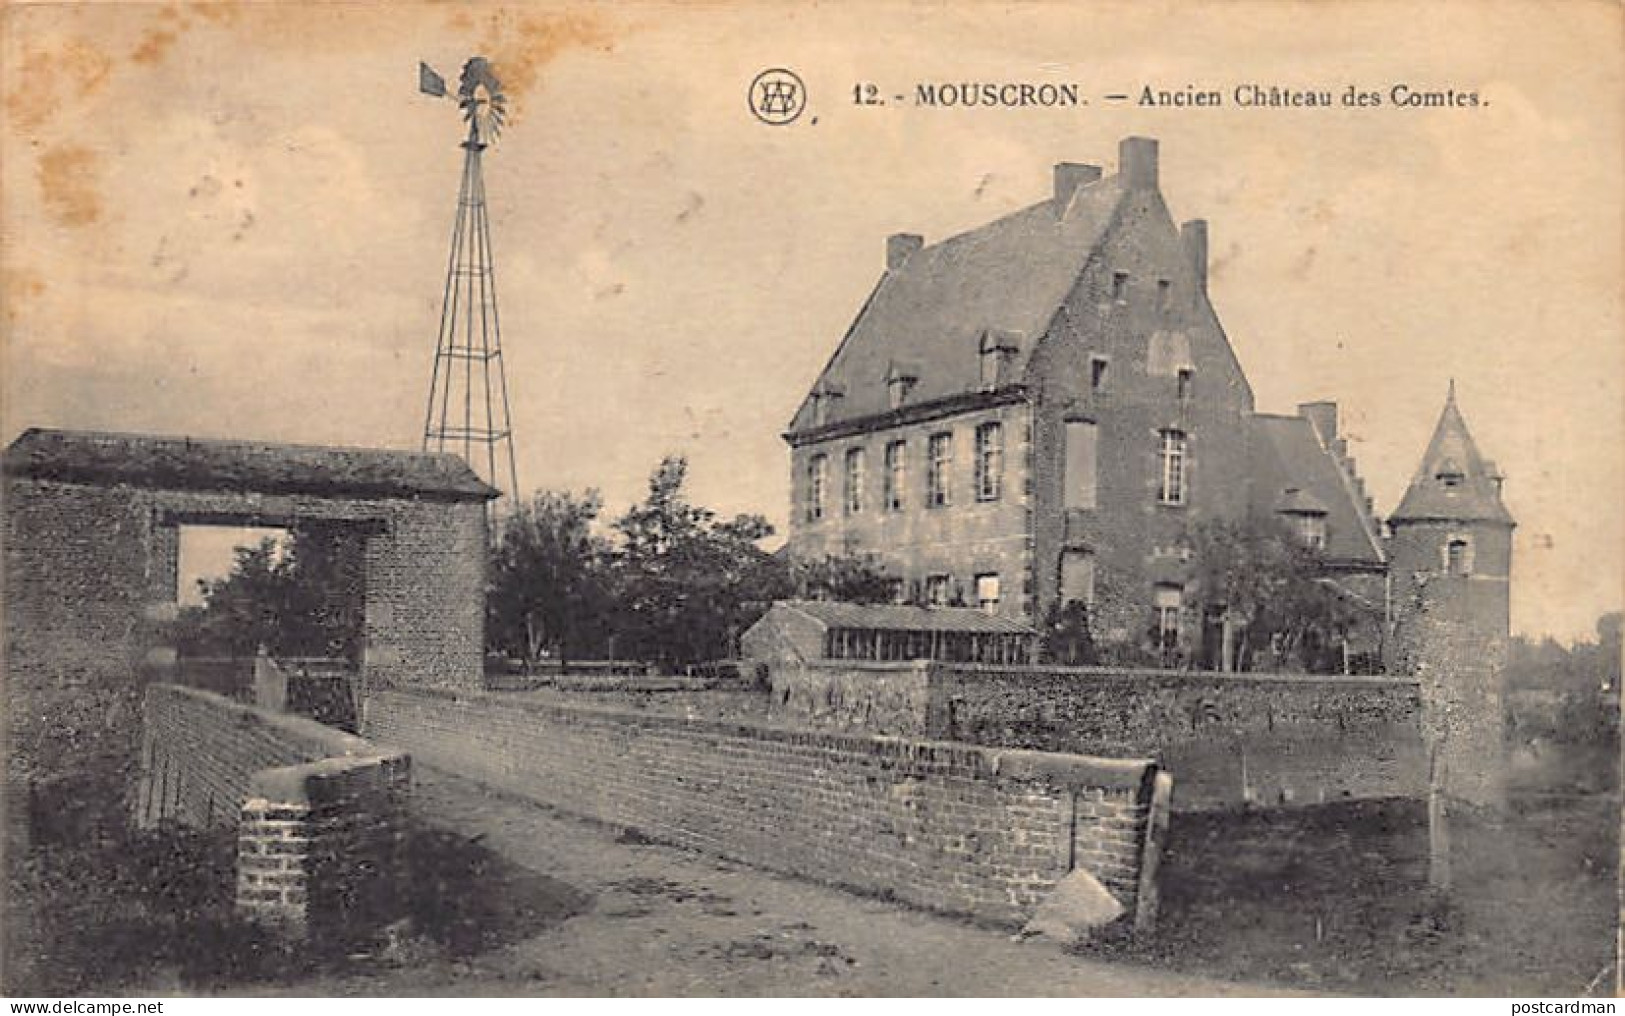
(585, 912)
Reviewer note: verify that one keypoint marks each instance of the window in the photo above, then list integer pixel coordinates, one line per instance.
(1171, 482)
(1187, 380)
(991, 359)
(896, 474)
(1080, 464)
(1119, 285)
(936, 590)
(1311, 529)
(1078, 577)
(817, 480)
(1165, 294)
(941, 459)
(1098, 366)
(989, 461)
(854, 481)
(1165, 629)
(987, 592)
(897, 389)
(1458, 556)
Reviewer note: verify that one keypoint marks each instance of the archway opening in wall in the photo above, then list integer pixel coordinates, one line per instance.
(297, 592)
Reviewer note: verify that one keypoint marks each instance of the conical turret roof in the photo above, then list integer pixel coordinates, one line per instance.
(1454, 482)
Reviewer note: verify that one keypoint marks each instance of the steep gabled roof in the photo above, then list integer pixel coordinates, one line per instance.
(185, 463)
(1454, 483)
(931, 311)
(1287, 455)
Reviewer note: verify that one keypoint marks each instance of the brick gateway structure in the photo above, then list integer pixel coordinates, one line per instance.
(92, 535)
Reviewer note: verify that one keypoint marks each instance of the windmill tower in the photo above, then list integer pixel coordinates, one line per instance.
(468, 411)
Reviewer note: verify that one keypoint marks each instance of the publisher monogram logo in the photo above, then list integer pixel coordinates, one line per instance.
(777, 96)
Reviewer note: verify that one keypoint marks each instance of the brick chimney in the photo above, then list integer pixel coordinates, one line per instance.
(900, 247)
(1069, 176)
(1323, 416)
(1137, 162)
(1193, 235)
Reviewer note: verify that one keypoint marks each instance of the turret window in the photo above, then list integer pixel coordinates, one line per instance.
(1458, 556)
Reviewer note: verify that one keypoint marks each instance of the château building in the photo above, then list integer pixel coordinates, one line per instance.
(1038, 410)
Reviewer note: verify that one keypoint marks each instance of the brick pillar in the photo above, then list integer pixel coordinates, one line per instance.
(273, 854)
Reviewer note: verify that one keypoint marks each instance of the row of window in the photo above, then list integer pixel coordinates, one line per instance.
(987, 482)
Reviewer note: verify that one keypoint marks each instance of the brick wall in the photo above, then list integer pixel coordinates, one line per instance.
(319, 813)
(1226, 738)
(956, 828)
(876, 698)
(90, 585)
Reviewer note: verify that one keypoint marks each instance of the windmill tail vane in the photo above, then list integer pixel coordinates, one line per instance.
(468, 407)
(430, 82)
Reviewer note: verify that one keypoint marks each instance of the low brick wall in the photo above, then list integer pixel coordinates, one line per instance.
(1228, 739)
(877, 698)
(951, 827)
(319, 814)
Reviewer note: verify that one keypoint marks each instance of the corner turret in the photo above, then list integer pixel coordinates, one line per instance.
(1450, 553)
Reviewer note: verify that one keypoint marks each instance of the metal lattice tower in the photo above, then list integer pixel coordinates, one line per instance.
(468, 410)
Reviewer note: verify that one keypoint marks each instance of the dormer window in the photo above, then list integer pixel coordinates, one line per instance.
(1449, 474)
(900, 381)
(825, 399)
(1306, 514)
(996, 351)
(1311, 530)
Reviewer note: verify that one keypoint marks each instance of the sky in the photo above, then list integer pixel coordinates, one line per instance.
(233, 220)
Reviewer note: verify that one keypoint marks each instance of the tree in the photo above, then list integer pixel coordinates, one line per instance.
(1067, 638)
(302, 598)
(549, 586)
(1272, 594)
(685, 584)
(848, 578)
